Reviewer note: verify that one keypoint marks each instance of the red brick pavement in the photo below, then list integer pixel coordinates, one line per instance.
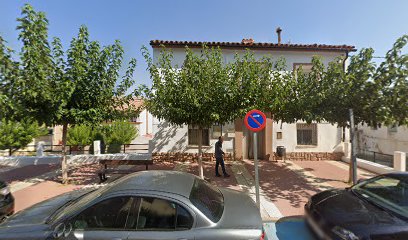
(327, 172)
(37, 193)
(284, 187)
(209, 173)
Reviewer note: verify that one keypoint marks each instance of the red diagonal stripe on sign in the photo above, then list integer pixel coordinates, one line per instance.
(256, 121)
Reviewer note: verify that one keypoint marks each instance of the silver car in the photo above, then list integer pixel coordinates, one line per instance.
(166, 205)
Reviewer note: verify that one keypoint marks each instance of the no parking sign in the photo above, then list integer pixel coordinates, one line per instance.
(255, 120)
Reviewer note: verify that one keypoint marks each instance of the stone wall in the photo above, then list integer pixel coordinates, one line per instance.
(311, 156)
(293, 156)
(186, 157)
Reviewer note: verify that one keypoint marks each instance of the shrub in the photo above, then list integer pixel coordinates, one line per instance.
(80, 135)
(18, 134)
(116, 134)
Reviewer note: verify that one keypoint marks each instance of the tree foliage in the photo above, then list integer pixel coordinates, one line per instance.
(378, 94)
(195, 93)
(47, 84)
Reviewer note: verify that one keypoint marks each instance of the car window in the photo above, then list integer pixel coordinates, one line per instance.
(184, 219)
(156, 214)
(389, 192)
(108, 214)
(208, 199)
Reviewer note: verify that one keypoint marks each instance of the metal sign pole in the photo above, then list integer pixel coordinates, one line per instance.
(353, 159)
(258, 203)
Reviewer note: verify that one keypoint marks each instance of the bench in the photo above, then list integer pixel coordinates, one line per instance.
(123, 159)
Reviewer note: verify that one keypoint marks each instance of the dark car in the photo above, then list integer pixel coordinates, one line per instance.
(166, 205)
(376, 208)
(6, 201)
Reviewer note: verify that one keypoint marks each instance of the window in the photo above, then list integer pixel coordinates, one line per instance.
(217, 131)
(193, 136)
(278, 135)
(208, 199)
(184, 219)
(161, 215)
(306, 134)
(156, 214)
(109, 214)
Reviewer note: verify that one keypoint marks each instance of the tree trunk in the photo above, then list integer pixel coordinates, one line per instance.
(64, 167)
(353, 160)
(344, 133)
(200, 152)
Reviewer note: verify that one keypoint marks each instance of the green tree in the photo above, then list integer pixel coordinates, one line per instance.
(376, 94)
(9, 73)
(201, 92)
(15, 135)
(54, 88)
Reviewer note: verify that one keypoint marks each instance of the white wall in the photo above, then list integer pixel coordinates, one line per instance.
(291, 57)
(146, 123)
(328, 138)
(381, 140)
(168, 138)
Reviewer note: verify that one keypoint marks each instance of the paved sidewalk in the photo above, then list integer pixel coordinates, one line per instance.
(289, 184)
(269, 211)
(285, 186)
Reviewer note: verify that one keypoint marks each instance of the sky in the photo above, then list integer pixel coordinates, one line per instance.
(363, 23)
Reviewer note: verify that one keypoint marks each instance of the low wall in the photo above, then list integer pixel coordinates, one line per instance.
(293, 156)
(186, 157)
(310, 156)
(21, 161)
(370, 166)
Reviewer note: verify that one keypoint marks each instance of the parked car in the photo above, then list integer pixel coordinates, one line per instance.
(376, 208)
(144, 205)
(6, 201)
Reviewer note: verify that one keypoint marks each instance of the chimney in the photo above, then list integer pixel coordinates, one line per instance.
(278, 31)
(247, 41)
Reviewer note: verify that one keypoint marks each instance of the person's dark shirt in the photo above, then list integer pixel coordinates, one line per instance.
(218, 149)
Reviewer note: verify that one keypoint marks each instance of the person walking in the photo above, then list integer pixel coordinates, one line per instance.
(219, 157)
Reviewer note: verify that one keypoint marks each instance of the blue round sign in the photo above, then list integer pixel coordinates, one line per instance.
(255, 120)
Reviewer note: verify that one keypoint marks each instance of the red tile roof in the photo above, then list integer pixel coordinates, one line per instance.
(250, 44)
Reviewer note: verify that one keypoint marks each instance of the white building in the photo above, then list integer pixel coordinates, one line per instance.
(383, 140)
(302, 141)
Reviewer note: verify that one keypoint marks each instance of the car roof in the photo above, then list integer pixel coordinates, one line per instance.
(397, 174)
(155, 180)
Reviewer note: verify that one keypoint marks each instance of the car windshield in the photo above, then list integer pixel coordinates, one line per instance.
(208, 199)
(71, 207)
(389, 192)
